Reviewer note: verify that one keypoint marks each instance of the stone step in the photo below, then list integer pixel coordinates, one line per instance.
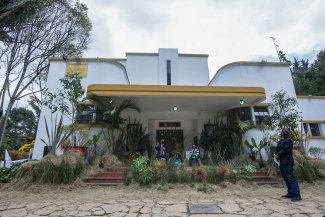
(110, 175)
(105, 180)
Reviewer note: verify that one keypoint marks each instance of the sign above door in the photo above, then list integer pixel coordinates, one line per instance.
(169, 124)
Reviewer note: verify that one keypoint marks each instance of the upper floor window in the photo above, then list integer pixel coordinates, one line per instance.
(169, 75)
(314, 129)
(260, 113)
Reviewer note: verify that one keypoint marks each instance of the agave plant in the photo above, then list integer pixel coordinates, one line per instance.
(57, 136)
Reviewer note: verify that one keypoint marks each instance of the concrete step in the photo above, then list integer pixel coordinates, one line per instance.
(259, 174)
(262, 179)
(105, 180)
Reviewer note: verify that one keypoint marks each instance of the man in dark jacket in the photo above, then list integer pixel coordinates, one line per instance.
(283, 153)
(162, 150)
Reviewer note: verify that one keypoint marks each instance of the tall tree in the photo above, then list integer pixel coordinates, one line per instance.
(60, 27)
(21, 123)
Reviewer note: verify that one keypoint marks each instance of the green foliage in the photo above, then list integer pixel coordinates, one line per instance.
(109, 115)
(260, 146)
(309, 79)
(21, 122)
(66, 98)
(126, 179)
(57, 136)
(138, 139)
(245, 172)
(283, 113)
(203, 188)
(191, 184)
(170, 174)
(140, 169)
(144, 174)
(7, 174)
(213, 176)
(47, 172)
(96, 139)
(316, 152)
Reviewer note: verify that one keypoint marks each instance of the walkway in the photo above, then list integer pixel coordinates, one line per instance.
(266, 206)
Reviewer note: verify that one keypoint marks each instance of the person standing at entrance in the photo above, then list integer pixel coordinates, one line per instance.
(194, 155)
(283, 153)
(162, 150)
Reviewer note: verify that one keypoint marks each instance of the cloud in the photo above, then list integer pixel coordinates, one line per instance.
(228, 31)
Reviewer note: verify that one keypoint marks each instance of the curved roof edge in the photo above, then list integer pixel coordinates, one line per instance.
(96, 59)
(298, 96)
(250, 63)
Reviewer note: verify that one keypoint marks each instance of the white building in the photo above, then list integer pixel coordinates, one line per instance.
(165, 80)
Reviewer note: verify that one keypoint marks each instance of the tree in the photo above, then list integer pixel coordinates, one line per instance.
(109, 113)
(283, 113)
(281, 54)
(66, 99)
(60, 27)
(21, 123)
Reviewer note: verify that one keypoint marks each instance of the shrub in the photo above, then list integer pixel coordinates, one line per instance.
(316, 152)
(63, 173)
(171, 172)
(303, 169)
(126, 179)
(212, 175)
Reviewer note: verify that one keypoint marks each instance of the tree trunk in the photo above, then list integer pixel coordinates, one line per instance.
(4, 122)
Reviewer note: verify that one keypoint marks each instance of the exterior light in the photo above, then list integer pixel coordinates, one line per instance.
(241, 102)
(175, 107)
(310, 95)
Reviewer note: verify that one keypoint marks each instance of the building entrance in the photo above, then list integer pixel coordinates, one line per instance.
(169, 135)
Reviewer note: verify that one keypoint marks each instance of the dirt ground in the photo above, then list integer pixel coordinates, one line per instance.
(52, 193)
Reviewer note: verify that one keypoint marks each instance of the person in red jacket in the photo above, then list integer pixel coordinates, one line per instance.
(283, 153)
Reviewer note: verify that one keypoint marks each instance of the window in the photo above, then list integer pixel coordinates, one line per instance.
(169, 76)
(260, 113)
(86, 115)
(245, 113)
(314, 129)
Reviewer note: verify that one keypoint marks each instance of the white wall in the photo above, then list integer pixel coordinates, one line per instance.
(271, 77)
(312, 108)
(99, 72)
(193, 70)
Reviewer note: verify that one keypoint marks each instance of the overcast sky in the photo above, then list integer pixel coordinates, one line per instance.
(228, 30)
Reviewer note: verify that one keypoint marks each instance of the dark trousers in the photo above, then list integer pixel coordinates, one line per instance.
(165, 156)
(191, 161)
(289, 177)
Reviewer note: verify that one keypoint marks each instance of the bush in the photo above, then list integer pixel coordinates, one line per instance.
(316, 152)
(63, 173)
(126, 179)
(171, 172)
(212, 175)
(303, 169)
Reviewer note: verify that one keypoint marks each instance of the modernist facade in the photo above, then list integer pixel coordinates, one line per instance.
(168, 80)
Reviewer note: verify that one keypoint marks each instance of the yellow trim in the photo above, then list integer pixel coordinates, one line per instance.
(200, 55)
(180, 54)
(85, 102)
(258, 126)
(263, 104)
(308, 121)
(311, 97)
(250, 63)
(88, 125)
(173, 90)
(93, 59)
(131, 53)
(318, 137)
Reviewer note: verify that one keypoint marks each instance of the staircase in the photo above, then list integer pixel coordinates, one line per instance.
(111, 177)
(262, 178)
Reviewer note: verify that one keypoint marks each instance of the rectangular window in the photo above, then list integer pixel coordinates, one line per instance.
(169, 75)
(260, 113)
(314, 129)
(86, 115)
